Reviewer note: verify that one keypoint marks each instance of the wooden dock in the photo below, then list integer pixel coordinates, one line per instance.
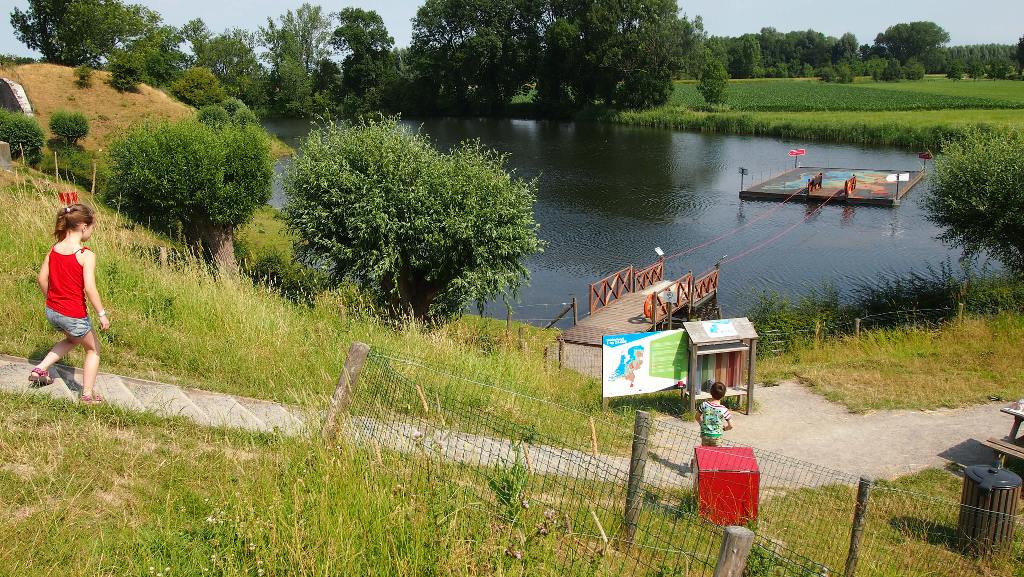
(871, 186)
(616, 305)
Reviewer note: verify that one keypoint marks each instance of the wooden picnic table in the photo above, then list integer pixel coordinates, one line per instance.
(1018, 416)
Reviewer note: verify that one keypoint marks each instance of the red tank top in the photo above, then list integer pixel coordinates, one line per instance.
(66, 294)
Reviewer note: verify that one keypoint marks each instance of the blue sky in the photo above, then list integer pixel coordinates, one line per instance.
(999, 21)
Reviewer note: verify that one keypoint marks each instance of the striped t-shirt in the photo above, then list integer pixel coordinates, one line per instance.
(713, 416)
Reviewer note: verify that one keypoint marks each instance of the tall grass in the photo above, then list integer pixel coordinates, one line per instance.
(100, 492)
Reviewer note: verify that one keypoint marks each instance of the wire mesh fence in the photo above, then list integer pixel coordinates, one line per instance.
(559, 491)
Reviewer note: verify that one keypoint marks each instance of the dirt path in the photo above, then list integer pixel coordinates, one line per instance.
(798, 423)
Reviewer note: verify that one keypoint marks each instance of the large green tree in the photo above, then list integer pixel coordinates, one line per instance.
(977, 194)
(368, 67)
(232, 58)
(475, 55)
(620, 52)
(74, 32)
(296, 47)
(189, 178)
(424, 232)
(920, 40)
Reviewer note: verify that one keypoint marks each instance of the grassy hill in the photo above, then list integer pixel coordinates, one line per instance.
(51, 87)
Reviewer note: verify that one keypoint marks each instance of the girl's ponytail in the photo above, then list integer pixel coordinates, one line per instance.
(69, 217)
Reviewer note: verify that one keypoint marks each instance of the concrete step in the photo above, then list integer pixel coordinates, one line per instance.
(14, 377)
(166, 400)
(58, 390)
(274, 416)
(116, 392)
(225, 411)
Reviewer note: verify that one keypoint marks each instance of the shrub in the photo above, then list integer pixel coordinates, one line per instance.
(22, 133)
(214, 115)
(913, 70)
(75, 165)
(127, 71)
(977, 192)
(245, 116)
(827, 74)
(198, 87)
(956, 70)
(191, 178)
(370, 203)
(232, 105)
(998, 69)
(70, 125)
(892, 71)
(845, 74)
(290, 279)
(714, 80)
(83, 76)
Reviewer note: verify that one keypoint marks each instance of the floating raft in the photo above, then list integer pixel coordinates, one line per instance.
(872, 187)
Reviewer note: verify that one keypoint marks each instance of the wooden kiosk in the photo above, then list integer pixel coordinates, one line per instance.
(720, 350)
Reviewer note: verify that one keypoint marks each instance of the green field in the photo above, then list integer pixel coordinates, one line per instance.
(802, 96)
(915, 115)
(1006, 90)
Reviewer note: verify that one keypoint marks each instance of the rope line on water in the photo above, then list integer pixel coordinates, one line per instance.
(781, 233)
(729, 233)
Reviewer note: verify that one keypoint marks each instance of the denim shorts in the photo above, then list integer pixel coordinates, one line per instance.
(70, 325)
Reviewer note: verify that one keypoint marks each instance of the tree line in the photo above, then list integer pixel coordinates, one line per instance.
(906, 50)
(472, 56)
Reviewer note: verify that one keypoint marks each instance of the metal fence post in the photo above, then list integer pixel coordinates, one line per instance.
(575, 312)
(342, 396)
(859, 513)
(637, 462)
(732, 557)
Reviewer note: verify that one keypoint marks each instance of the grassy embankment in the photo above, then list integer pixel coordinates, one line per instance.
(912, 114)
(96, 491)
(185, 325)
(51, 87)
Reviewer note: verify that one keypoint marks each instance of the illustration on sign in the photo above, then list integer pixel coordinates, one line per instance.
(722, 328)
(643, 362)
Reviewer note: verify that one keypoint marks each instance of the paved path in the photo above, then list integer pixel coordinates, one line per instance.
(798, 423)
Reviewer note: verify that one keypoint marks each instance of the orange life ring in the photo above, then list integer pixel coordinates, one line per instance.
(649, 306)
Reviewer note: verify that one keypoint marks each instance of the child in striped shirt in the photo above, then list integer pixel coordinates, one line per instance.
(713, 417)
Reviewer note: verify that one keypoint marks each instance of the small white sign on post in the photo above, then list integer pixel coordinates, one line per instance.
(901, 177)
(669, 297)
(722, 328)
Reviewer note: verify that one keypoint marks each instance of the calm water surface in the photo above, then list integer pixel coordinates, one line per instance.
(607, 195)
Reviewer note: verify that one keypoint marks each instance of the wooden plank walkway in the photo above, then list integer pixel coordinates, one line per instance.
(625, 315)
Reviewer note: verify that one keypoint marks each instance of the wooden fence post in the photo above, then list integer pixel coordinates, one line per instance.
(856, 327)
(732, 557)
(859, 513)
(342, 396)
(960, 312)
(637, 463)
(92, 189)
(163, 256)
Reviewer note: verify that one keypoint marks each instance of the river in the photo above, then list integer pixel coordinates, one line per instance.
(608, 195)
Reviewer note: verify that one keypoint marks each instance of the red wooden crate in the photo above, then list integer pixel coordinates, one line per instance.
(727, 484)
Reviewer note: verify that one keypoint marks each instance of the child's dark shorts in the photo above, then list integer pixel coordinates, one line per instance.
(75, 327)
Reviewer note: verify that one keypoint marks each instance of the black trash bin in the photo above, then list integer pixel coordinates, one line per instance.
(988, 508)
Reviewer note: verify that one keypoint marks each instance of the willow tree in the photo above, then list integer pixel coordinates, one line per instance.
(189, 178)
(977, 194)
(423, 232)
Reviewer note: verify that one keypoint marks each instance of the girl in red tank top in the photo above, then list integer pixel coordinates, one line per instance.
(67, 278)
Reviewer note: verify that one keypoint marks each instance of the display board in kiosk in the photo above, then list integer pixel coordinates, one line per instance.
(721, 350)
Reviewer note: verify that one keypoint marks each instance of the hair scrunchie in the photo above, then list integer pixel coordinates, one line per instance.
(67, 209)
